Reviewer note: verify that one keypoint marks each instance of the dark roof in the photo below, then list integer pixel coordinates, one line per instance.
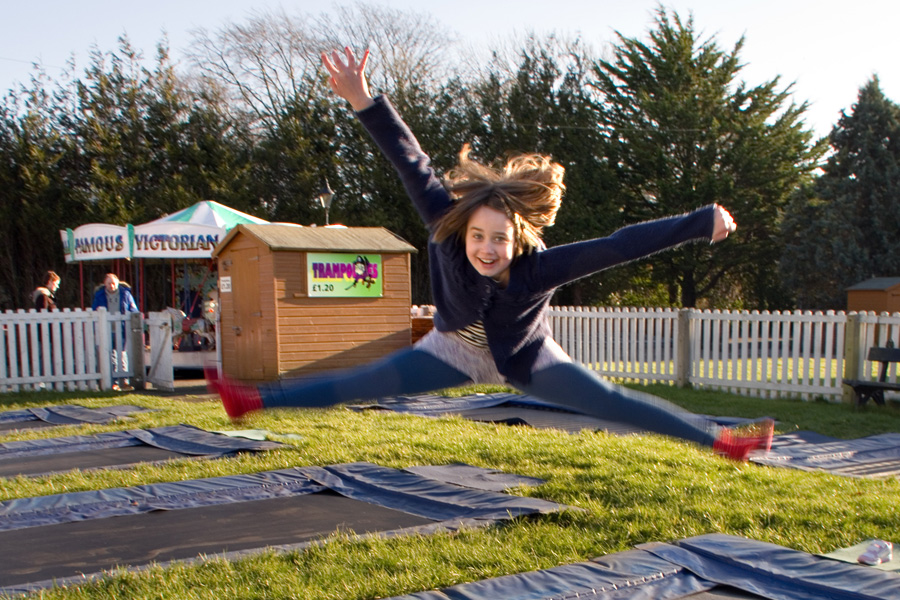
(278, 236)
(876, 283)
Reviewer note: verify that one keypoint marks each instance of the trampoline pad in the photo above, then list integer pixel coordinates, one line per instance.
(119, 449)
(65, 538)
(512, 409)
(876, 456)
(706, 567)
(724, 593)
(36, 554)
(85, 460)
(65, 414)
(20, 425)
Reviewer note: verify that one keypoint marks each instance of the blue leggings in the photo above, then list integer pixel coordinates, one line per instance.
(412, 371)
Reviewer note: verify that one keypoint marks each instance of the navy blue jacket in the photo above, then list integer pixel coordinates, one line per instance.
(515, 318)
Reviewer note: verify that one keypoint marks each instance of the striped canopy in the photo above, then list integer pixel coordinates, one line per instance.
(209, 213)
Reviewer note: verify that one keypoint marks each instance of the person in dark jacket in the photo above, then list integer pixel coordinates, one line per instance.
(44, 297)
(116, 297)
(492, 280)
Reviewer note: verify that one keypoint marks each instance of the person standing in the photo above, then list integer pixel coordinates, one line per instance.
(43, 296)
(44, 299)
(116, 297)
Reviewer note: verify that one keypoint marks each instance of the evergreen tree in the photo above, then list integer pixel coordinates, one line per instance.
(846, 228)
(822, 255)
(546, 105)
(36, 178)
(683, 133)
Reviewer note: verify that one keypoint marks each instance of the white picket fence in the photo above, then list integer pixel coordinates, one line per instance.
(764, 354)
(69, 349)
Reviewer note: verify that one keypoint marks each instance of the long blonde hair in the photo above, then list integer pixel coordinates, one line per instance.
(528, 189)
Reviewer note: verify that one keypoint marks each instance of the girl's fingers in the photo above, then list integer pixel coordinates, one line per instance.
(365, 59)
(328, 66)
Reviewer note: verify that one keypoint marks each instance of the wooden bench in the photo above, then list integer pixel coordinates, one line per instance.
(865, 389)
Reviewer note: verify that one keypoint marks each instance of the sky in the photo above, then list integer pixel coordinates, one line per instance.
(827, 49)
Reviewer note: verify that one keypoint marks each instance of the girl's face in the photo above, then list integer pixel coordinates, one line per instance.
(490, 243)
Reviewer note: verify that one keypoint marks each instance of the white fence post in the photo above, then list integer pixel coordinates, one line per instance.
(104, 349)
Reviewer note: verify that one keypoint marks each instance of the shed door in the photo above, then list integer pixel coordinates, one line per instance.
(248, 341)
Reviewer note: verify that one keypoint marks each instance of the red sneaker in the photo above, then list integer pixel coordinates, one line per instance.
(211, 374)
(237, 399)
(737, 444)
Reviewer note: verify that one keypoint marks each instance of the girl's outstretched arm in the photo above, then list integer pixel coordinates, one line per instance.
(348, 77)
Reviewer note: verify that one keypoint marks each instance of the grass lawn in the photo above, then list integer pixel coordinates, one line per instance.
(633, 489)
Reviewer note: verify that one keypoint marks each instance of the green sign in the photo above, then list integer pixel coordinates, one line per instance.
(344, 275)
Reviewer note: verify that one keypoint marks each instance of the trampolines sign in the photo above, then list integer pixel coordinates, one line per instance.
(344, 275)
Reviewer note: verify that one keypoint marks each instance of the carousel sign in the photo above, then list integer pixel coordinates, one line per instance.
(164, 240)
(189, 233)
(96, 241)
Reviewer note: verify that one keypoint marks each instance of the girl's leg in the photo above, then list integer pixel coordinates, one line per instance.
(573, 386)
(408, 371)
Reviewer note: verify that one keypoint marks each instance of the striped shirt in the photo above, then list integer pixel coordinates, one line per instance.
(474, 335)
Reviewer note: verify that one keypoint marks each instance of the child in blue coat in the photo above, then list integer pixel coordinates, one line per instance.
(492, 280)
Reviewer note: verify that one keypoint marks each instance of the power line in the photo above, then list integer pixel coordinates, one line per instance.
(30, 62)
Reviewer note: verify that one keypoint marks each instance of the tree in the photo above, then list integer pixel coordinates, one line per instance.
(36, 176)
(544, 103)
(683, 132)
(845, 228)
(270, 65)
(822, 253)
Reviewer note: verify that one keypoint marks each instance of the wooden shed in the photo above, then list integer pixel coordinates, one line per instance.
(879, 294)
(297, 300)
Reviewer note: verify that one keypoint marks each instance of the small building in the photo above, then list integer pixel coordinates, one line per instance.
(296, 300)
(879, 294)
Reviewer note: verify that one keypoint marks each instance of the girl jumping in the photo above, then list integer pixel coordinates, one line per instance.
(492, 279)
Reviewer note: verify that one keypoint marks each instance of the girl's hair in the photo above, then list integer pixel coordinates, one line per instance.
(528, 190)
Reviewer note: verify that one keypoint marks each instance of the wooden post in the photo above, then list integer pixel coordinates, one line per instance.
(683, 349)
(136, 351)
(852, 337)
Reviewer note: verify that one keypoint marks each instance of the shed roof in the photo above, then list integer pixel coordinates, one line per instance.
(279, 236)
(876, 283)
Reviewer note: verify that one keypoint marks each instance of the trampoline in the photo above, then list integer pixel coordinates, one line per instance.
(66, 538)
(119, 449)
(869, 457)
(66, 414)
(510, 409)
(874, 457)
(707, 567)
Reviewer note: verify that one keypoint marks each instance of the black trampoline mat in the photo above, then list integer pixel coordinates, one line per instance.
(724, 593)
(87, 459)
(33, 424)
(38, 554)
(541, 418)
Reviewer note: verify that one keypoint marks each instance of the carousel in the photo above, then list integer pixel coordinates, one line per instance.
(174, 253)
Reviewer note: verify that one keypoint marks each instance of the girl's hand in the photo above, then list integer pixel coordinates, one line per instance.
(348, 79)
(723, 224)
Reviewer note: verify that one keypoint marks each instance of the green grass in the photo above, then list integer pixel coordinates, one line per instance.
(767, 370)
(633, 489)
